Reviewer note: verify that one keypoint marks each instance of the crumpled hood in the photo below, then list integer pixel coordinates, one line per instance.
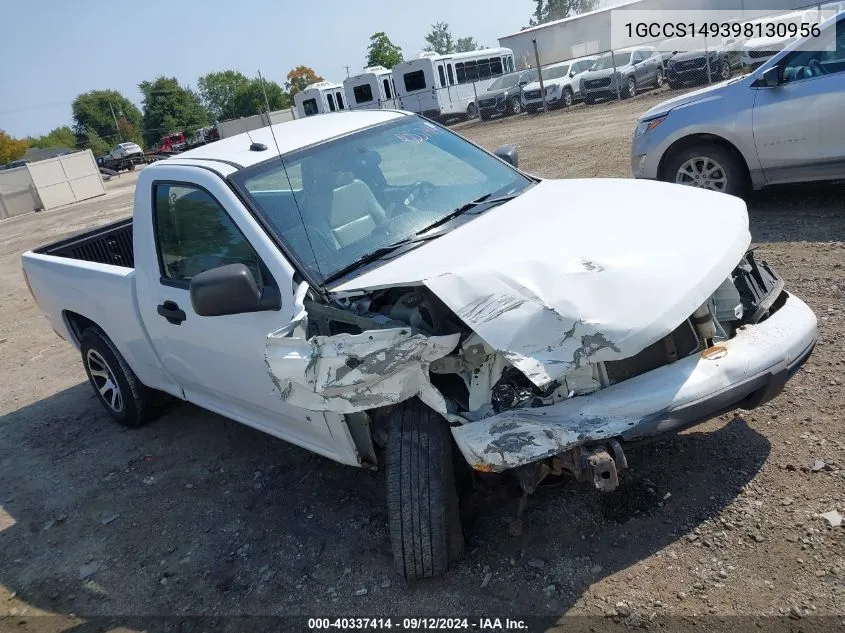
(576, 271)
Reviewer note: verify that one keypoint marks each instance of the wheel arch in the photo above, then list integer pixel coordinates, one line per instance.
(694, 139)
(77, 323)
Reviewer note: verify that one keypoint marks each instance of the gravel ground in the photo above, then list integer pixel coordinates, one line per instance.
(198, 515)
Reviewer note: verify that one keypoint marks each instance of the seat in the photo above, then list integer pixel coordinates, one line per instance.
(355, 213)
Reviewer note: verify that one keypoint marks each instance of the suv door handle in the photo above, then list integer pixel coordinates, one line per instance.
(170, 311)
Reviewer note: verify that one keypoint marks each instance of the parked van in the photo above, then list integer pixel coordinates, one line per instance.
(442, 85)
(319, 98)
(371, 89)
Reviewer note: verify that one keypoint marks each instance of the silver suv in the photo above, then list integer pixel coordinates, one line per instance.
(629, 70)
(781, 123)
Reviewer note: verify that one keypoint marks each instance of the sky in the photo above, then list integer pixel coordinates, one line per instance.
(54, 50)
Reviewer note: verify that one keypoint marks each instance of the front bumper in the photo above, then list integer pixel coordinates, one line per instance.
(745, 371)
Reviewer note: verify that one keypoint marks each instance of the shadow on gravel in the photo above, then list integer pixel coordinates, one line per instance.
(195, 514)
(810, 212)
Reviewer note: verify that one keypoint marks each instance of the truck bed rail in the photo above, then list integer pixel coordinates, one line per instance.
(111, 244)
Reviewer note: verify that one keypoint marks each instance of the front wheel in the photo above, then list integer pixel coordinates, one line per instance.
(725, 70)
(567, 97)
(515, 106)
(472, 111)
(422, 494)
(127, 401)
(630, 88)
(589, 101)
(658, 80)
(707, 166)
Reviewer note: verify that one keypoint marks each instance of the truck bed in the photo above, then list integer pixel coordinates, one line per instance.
(111, 244)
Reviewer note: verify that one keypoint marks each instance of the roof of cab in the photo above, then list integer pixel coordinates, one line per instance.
(290, 136)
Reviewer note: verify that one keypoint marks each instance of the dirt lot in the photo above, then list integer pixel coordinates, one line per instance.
(198, 515)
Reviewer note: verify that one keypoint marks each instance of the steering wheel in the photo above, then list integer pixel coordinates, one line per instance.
(816, 68)
(418, 192)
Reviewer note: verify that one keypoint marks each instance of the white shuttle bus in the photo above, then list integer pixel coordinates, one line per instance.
(319, 98)
(442, 85)
(371, 89)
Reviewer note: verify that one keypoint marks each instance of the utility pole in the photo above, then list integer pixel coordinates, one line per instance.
(540, 75)
(347, 71)
(116, 126)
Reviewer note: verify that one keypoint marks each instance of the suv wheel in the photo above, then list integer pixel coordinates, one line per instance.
(725, 70)
(658, 80)
(472, 111)
(567, 97)
(515, 105)
(630, 88)
(707, 166)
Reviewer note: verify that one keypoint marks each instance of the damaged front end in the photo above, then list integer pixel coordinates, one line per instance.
(543, 386)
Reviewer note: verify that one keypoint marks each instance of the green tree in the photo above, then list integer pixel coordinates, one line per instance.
(98, 109)
(440, 39)
(11, 148)
(60, 137)
(169, 107)
(249, 99)
(549, 10)
(466, 44)
(383, 52)
(300, 78)
(218, 91)
(96, 143)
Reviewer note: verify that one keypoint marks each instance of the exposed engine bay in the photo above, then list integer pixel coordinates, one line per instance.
(365, 352)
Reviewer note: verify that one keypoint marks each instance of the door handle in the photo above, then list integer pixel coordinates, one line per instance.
(170, 311)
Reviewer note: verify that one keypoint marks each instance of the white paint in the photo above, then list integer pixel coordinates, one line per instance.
(532, 434)
(346, 373)
(577, 271)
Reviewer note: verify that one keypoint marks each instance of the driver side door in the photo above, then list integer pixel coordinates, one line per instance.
(798, 130)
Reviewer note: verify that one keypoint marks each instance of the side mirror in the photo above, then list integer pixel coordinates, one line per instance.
(770, 77)
(571, 73)
(230, 289)
(508, 154)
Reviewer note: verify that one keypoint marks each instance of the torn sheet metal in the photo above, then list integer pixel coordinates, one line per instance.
(346, 373)
(569, 273)
(652, 403)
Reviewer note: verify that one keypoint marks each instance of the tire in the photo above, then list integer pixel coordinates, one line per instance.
(658, 80)
(630, 88)
(472, 111)
(567, 99)
(589, 101)
(128, 401)
(484, 116)
(422, 495)
(724, 71)
(694, 161)
(515, 106)
(531, 109)
(673, 84)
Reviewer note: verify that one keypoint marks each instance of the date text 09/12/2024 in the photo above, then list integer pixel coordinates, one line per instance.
(417, 624)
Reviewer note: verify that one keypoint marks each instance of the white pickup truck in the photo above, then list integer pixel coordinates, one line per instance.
(369, 284)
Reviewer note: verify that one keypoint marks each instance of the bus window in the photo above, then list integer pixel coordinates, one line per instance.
(496, 66)
(339, 101)
(386, 88)
(471, 70)
(459, 71)
(442, 76)
(483, 68)
(363, 93)
(309, 106)
(414, 81)
(331, 102)
(451, 75)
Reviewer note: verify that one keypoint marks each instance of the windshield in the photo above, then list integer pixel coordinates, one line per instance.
(606, 61)
(505, 81)
(556, 72)
(341, 200)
